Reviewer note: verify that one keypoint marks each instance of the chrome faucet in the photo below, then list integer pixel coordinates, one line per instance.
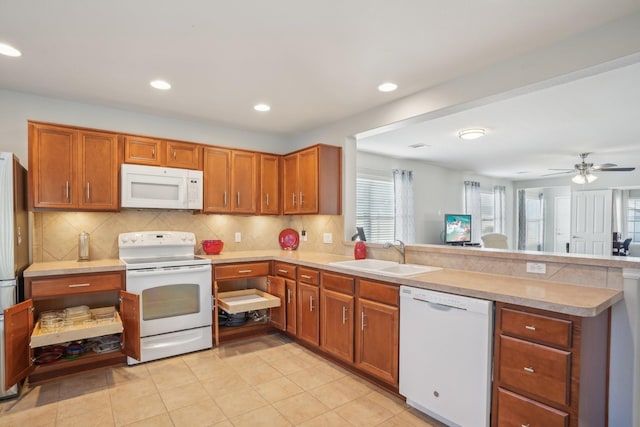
(399, 248)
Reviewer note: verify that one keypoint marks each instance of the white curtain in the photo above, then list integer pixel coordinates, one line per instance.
(620, 208)
(499, 209)
(404, 214)
(472, 207)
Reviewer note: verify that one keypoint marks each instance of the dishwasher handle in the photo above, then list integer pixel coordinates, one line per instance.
(440, 306)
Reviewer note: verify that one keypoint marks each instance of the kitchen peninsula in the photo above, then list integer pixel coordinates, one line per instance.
(546, 294)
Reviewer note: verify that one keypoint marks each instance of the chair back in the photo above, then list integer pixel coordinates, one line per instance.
(625, 244)
(495, 241)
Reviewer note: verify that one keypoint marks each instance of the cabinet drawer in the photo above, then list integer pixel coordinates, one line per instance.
(76, 284)
(338, 283)
(285, 270)
(306, 275)
(535, 327)
(540, 370)
(515, 410)
(375, 291)
(234, 271)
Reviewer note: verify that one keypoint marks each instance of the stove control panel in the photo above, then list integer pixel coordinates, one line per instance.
(156, 238)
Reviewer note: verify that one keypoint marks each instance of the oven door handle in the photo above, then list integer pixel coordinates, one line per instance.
(170, 270)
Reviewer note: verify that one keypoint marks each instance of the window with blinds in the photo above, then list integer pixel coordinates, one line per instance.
(375, 208)
(633, 219)
(487, 213)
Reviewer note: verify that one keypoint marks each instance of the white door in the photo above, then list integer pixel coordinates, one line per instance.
(561, 223)
(591, 222)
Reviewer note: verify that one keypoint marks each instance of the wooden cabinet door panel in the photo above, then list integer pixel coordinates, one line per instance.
(52, 166)
(308, 181)
(183, 155)
(143, 151)
(18, 325)
(536, 327)
(130, 314)
(336, 320)
(308, 317)
(54, 286)
(269, 184)
(276, 287)
(98, 166)
(542, 371)
(243, 181)
(377, 340)
(515, 410)
(217, 180)
(290, 184)
(292, 306)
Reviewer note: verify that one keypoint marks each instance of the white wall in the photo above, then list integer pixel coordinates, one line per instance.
(16, 108)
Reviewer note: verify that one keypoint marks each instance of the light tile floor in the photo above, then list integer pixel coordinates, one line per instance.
(265, 381)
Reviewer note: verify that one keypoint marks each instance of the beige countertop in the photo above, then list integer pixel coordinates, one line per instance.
(554, 296)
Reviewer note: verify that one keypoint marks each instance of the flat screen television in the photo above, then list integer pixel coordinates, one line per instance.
(457, 229)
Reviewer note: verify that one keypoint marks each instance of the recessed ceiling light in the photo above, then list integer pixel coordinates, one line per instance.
(7, 50)
(160, 84)
(261, 107)
(471, 133)
(387, 87)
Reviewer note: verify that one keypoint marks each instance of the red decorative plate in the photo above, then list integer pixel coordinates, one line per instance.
(289, 239)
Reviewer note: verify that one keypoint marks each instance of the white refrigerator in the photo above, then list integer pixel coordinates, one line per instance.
(14, 246)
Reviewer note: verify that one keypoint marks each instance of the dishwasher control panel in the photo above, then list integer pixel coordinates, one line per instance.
(443, 299)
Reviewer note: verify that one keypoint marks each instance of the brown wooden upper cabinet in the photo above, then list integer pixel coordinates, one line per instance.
(158, 152)
(230, 181)
(72, 168)
(143, 151)
(269, 184)
(312, 181)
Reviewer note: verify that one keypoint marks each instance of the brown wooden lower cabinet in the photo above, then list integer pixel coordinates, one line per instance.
(550, 369)
(337, 323)
(377, 339)
(308, 313)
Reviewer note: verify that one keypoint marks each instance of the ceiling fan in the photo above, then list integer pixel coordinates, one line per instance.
(583, 170)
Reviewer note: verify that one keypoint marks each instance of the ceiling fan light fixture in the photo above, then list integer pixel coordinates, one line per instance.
(584, 178)
(469, 134)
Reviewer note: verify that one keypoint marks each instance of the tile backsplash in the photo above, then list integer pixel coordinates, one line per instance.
(55, 234)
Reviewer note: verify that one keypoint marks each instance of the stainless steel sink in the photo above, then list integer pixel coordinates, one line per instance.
(387, 268)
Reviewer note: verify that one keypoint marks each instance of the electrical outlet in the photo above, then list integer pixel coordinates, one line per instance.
(327, 238)
(304, 235)
(238, 236)
(536, 267)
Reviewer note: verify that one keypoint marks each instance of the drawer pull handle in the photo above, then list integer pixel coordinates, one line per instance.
(280, 270)
(80, 285)
(526, 425)
(530, 327)
(529, 369)
(304, 276)
(244, 271)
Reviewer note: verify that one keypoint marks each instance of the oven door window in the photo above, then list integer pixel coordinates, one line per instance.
(170, 301)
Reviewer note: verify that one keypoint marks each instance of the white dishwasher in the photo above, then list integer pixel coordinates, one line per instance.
(446, 355)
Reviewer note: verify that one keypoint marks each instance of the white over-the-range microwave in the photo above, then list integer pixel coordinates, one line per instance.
(154, 187)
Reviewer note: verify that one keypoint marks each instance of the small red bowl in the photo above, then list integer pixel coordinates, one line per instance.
(212, 247)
